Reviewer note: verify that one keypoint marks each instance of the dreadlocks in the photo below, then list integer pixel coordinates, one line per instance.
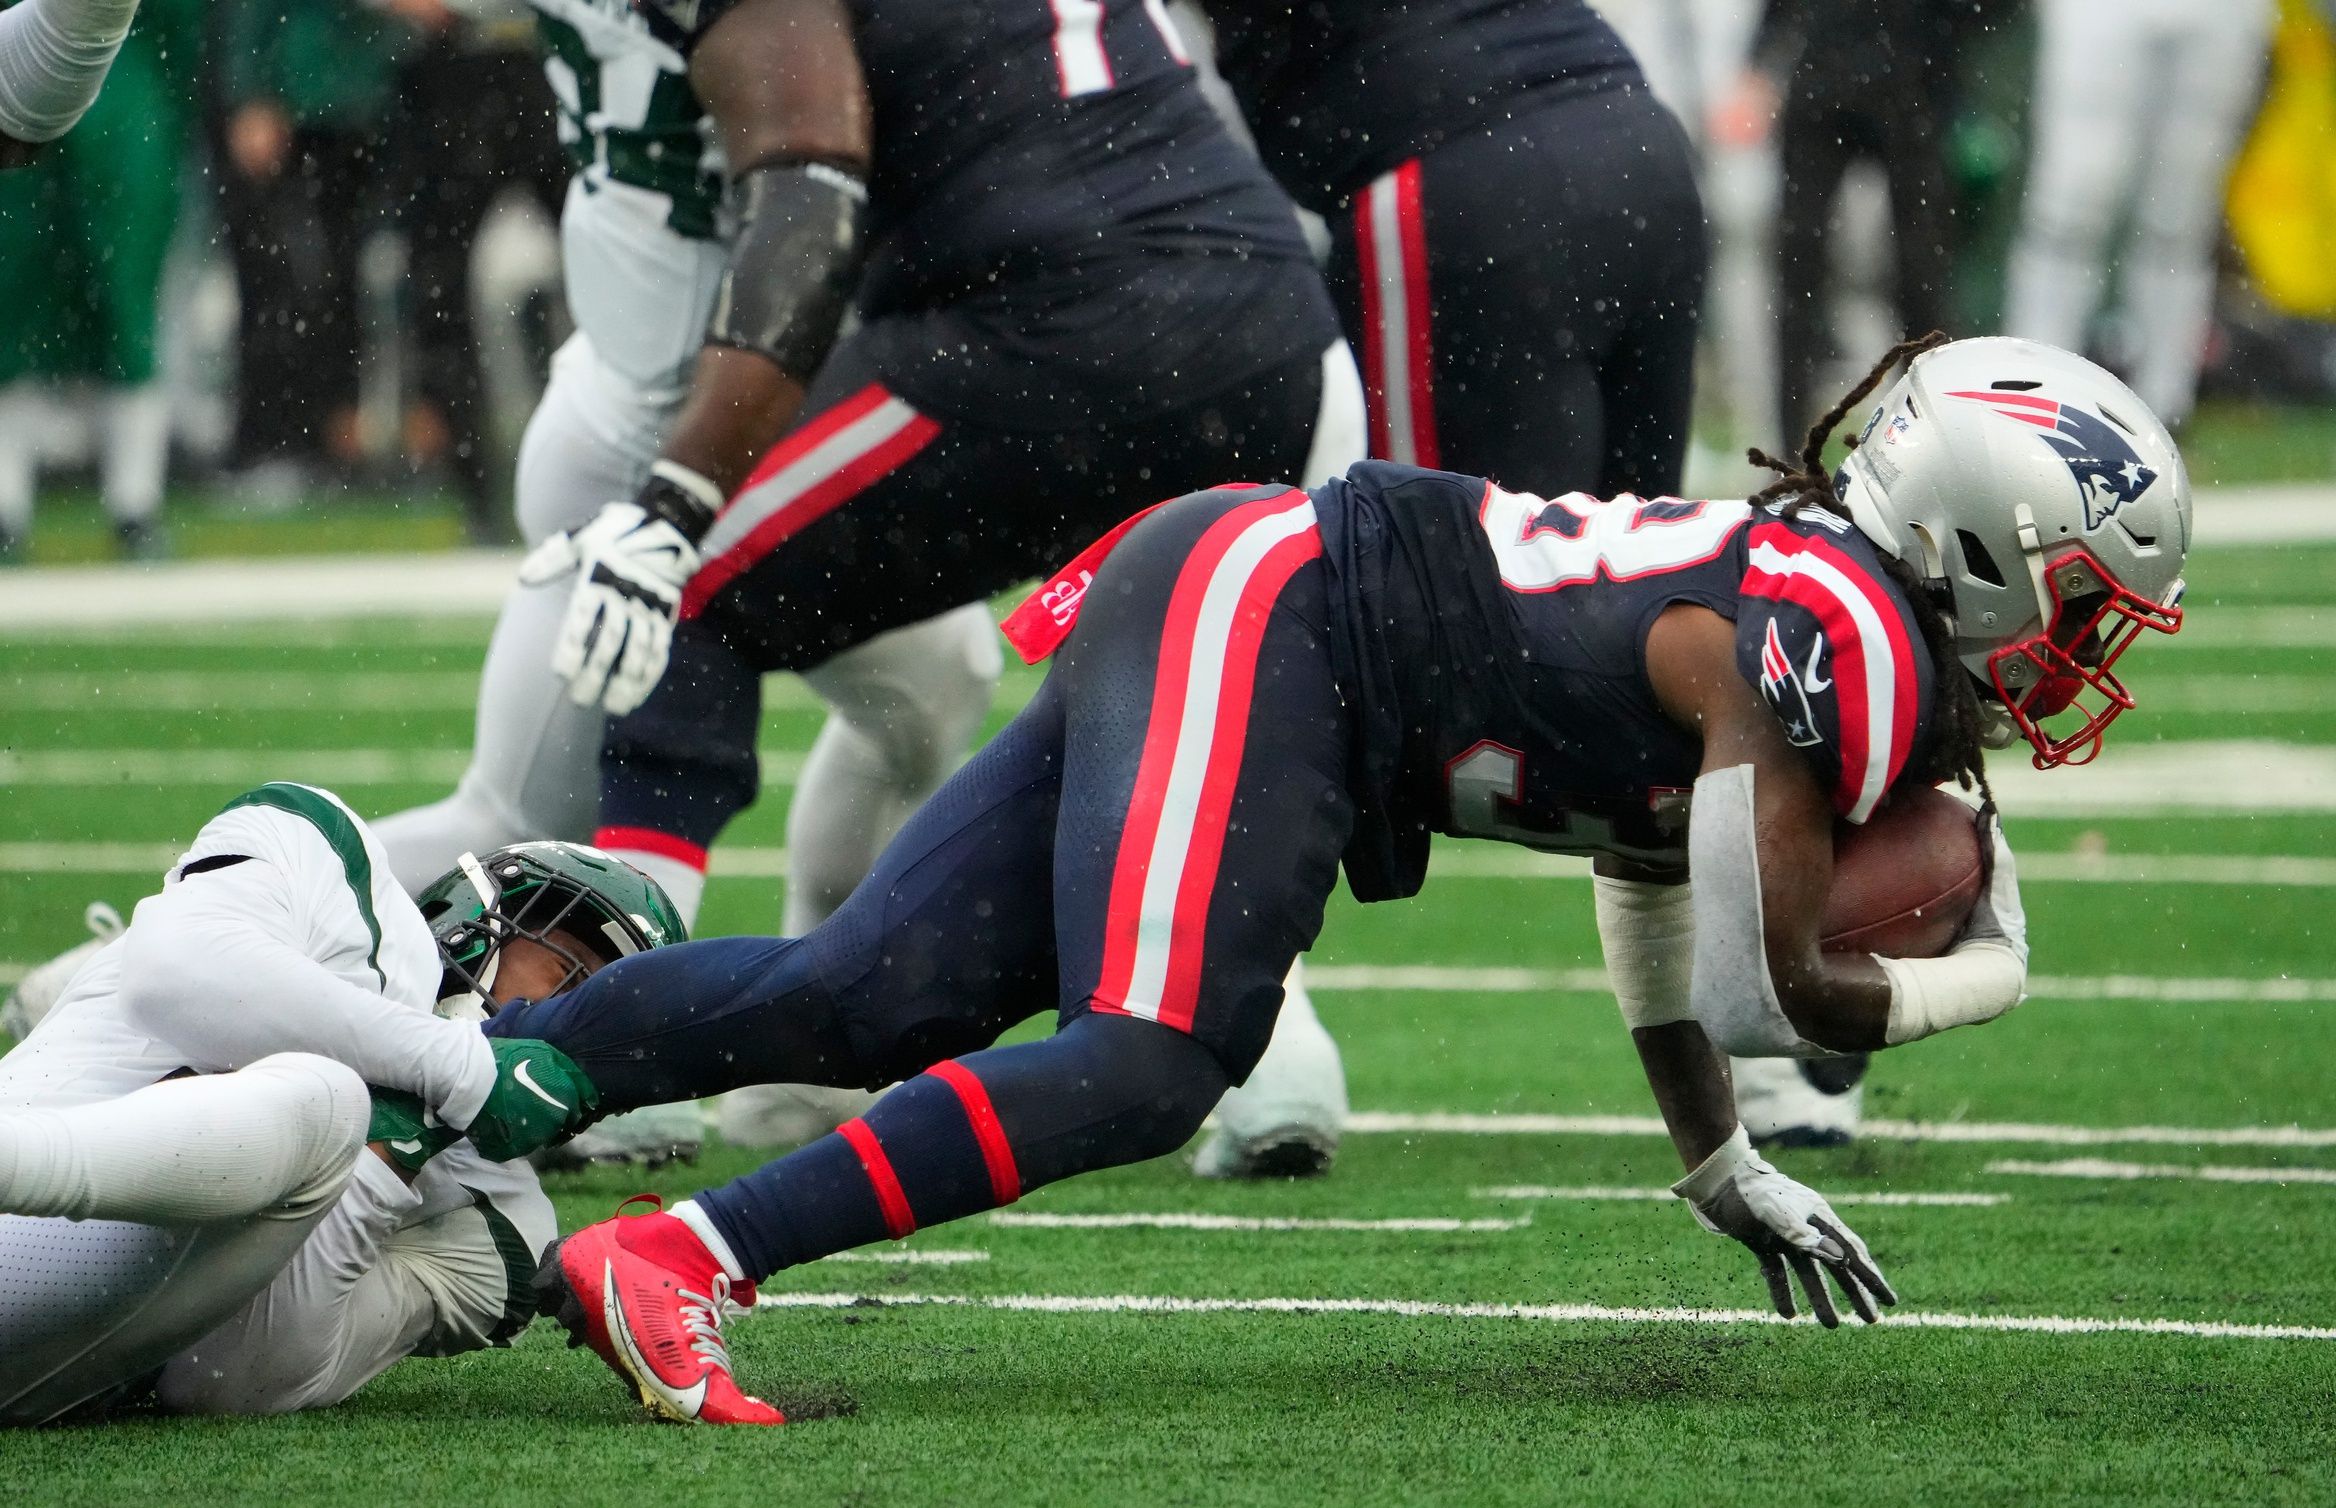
(1955, 749)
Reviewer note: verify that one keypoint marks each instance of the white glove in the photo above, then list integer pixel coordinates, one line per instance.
(1998, 918)
(1736, 1193)
(631, 563)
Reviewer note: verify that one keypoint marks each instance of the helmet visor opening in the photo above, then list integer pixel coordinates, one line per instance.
(2059, 686)
(560, 919)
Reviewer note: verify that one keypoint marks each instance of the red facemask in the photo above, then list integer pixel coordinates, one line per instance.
(2067, 668)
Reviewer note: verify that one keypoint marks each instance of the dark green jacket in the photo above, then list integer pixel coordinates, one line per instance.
(329, 63)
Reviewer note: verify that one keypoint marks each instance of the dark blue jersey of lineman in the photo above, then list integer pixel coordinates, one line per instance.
(1015, 137)
(1339, 91)
(1494, 643)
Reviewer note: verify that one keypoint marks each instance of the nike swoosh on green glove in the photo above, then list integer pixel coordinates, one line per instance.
(540, 1096)
(411, 1133)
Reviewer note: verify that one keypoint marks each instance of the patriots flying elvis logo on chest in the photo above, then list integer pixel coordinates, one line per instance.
(2109, 472)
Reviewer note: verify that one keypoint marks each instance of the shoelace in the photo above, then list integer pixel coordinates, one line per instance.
(702, 1317)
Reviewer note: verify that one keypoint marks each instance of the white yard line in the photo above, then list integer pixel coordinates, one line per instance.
(740, 862)
(911, 1257)
(1463, 1123)
(2094, 1167)
(145, 692)
(1506, 861)
(1596, 1193)
(1899, 1319)
(1028, 1220)
(334, 768)
(1500, 979)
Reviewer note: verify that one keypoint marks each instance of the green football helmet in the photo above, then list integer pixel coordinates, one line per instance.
(544, 892)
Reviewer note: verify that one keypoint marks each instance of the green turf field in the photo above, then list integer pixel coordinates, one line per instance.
(1532, 1347)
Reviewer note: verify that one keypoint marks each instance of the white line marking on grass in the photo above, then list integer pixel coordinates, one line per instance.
(1510, 980)
(1504, 862)
(913, 1257)
(2095, 1167)
(1450, 1123)
(154, 858)
(1884, 1198)
(2272, 625)
(429, 585)
(333, 768)
(145, 692)
(1028, 1220)
(1899, 1319)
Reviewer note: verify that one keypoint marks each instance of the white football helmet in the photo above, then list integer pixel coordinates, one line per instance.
(2052, 508)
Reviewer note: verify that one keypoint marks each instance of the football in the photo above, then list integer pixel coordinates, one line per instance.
(1905, 882)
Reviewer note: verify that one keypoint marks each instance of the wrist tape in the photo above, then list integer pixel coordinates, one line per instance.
(1977, 982)
(1648, 932)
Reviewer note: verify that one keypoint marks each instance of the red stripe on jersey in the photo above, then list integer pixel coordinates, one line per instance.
(1830, 584)
(891, 1202)
(1170, 811)
(621, 840)
(997, 1154)
(801, 501)
(1398, 350)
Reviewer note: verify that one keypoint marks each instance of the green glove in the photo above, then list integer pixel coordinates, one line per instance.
(540, 1096)
(412, 1134)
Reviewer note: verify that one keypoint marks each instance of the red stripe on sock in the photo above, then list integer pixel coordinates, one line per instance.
(996, 1152)
(891, 1201)
(650, 841)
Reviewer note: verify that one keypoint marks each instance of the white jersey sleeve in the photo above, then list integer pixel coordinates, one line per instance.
(281, 931)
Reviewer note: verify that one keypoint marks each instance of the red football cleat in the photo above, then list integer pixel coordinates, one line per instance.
(645, 1294)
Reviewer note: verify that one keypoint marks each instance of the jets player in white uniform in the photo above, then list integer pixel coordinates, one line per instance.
(644, 242)
(229, 1168)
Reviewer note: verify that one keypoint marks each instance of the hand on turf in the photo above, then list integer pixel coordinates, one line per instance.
(1998, 919)
(631, 567)
(540, 1096)
(1789, 1227)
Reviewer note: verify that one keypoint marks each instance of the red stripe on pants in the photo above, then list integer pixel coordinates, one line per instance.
(650, 841)
(891, 1202)
(1202, 835)
(997, 1154)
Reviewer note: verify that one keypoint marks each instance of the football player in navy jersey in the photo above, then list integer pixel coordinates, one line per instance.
(1255, 685)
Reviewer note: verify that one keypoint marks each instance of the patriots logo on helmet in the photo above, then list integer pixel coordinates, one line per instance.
(2109, 472)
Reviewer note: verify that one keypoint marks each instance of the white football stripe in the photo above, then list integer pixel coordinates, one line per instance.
(1196, 737)
(2094, 1167)
(1466, 1123)
(1591, 1193)
(1032, 1220)
(1898, 1319)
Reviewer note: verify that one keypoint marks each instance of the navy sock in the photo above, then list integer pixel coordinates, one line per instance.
(972, 1135)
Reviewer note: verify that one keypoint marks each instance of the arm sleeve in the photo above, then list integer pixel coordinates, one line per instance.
(53, 56)
(1832, 648)
(1648, 934)
(219, 964)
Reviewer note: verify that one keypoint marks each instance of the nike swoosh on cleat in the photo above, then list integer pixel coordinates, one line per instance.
(528, 1083)
(680, 1404)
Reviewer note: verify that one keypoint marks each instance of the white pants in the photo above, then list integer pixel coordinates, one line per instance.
(2138, 103)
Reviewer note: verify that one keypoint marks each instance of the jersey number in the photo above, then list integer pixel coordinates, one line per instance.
(1543, 545)
(1081, 65)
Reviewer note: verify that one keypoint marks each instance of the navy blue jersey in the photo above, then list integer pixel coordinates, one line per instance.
(1033, 137)
(1494, 643)
(1339, 91)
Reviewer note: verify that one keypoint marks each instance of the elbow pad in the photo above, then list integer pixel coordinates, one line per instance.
(1648, 933)
(801, 245)
(1733, 996)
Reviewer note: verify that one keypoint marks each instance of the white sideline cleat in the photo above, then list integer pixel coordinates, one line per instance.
(1285, 1122)
(1785, 1102)
(39, 990)
(649, 1137)
(780, 1116)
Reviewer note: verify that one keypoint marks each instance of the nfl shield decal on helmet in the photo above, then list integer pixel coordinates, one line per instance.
(2108, 471)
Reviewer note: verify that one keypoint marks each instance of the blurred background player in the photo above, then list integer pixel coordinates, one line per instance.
(205, 1199)
(2138, 106)
(1074, 293)
(1516, 248)
(84, 229)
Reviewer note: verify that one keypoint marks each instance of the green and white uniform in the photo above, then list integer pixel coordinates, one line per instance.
(181, 1142)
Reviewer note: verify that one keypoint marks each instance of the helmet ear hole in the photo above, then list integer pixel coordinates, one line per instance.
(1976, 560)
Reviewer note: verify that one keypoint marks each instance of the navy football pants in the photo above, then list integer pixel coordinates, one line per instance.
(1149, 844)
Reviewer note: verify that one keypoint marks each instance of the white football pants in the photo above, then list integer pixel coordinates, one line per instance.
(2138, 103)
(142, 1223)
